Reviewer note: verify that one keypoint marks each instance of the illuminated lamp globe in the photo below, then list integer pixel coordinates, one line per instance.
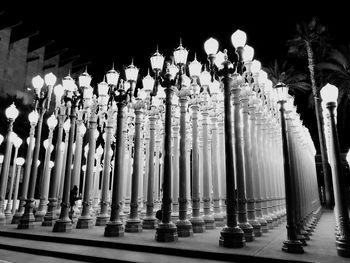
(131, 72)
(248, 53)
(59, 91)
(96, 134)
(50, 79)
(11, 112)
(180, 55)
(173, 70)
(20, 161)
(148, 83)
(66, 125)
(256, 66)
(52, 122)
(17, 142)
(239, 38)
(99, 150)
(329, 93)
(1, 158)
(161, 93)
(13, 137)
(142, 95)
(205, 78)
(84, 79)
(33, 117)
(51, 164)
(220, 59)
(157, 61)
(102, 88)
(112, 77)
(211, 46)
(82, 129)
(281, 92)
(195, 68)
(38, 83)
(1, 139)
(186, 81)
(68, 83)
(214, 87)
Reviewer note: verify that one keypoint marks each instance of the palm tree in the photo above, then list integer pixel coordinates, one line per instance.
(312, 37)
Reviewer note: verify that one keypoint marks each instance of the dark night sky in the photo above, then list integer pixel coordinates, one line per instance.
(103, 33)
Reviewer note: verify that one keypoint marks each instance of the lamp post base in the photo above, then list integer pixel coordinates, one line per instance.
(256, 227)
(232, 237)
(133, 226)
(343, 247)
(248, 231)
(149, 223)
(49, 218)
(198, 224)
(8, 216)
(293, 246)
(27, 220)
(102, 220)
(39, 215)
(263, 223)
(114, 229)
(17, 216)
(85, 222)
(219, 219)
(2, 219)
(209, 222)
(166, 232)
(184, 228)
(62, 225)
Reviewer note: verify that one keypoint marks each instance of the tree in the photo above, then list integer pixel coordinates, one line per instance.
(312, 37)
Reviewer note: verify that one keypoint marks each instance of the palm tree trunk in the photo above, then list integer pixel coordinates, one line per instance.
(320, 127)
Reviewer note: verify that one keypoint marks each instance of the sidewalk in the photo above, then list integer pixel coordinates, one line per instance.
(141, 247)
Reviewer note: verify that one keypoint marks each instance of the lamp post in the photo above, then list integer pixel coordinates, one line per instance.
(166, 230)
(40, 213)
(19, 162)
(197, 221)
(41, 104)
(16, 141)
(292, 244)
(114, 227)
(33, 120)
(11, 115)
(72, 99)
(231, 235)
(329, 94)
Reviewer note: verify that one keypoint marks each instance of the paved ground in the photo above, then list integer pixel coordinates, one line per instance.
(91, 245)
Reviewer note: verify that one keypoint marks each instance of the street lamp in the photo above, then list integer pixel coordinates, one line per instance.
(41, 104)
(11, 115)
(329, 95)
(19, 162)
(114, 226)
(292, 244)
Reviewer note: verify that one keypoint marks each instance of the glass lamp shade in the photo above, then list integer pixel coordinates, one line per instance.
(180, 55)
(50, 79)
(148, 83)
(1, 158)
(205, 78)
(112, 77)
(172, 69)
(33, 117)
(68, 83)
(239, 38)
(142, 94)
(59, 91)
(88, 93)
(102, 88)
(196, 89)
(156, 102)
(66, 125)
(11, 112)
(256, 66)
(13, 137)
(211, 46)
(38, 83)
(51, 164)
(157, 61)
(219, 59)
(186, 81)
(214, 87)
(195, 68)
(131, 72)
(99, 150)
(329, 93)
(17, 142)
(248, 53)
(84, 79)
(20, 161)
(281, 92)
(161, 93)
(46, 144)
(83, 168)
(82, 129)
(52, 122)
(1, 139)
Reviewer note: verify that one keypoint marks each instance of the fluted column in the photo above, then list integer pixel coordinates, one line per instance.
(184, 226)
(102, 218)
(222, 166)
(134, 224)
(26, 175)
(85, 220)
(15, 194)
(75, 180)
(50, 215)
(175, 167)
(149, 221)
